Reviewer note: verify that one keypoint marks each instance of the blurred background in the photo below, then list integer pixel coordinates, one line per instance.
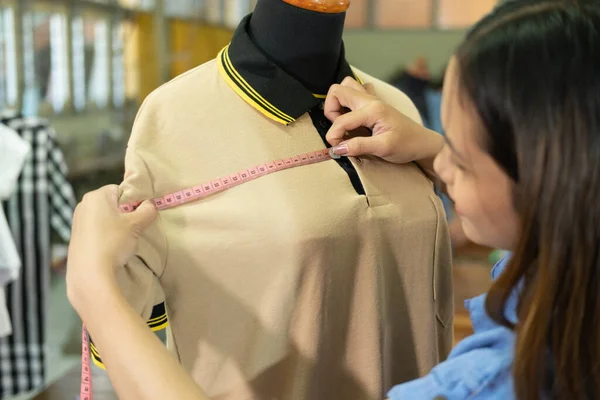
(83, 67)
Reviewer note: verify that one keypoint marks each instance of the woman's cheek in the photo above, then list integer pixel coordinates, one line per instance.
(465, 199)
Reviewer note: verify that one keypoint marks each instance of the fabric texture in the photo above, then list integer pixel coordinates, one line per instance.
(43, 202)
(13, 152)
(5, 325)
(479, 367)
(292, 286)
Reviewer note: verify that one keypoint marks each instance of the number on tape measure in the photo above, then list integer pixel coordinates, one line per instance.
(192, 194)
(86, 373)
(217, 185)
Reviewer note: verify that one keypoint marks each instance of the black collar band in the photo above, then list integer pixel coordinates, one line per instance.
(263, 84)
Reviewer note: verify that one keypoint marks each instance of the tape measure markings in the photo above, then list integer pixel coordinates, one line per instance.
(86, 371)
(192, 194)
(224, 183)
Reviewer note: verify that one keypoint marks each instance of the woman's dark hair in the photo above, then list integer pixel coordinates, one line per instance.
(532, 71)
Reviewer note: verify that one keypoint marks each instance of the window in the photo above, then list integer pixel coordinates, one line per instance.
(118, 65)
(78, 51)
(183, 8)
(144, 5)
(71, 63)
(235, 10)
(125, 62)
(90, 62)
(213, 11)
(95, 33)
(403, 13)
(416, 14)
(357, 14)
(462, 13)
(8, 62)
(45, 56)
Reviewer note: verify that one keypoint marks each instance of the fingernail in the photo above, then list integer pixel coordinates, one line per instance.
(341, 149)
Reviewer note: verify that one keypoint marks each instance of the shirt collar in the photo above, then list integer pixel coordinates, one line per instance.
(263, 84)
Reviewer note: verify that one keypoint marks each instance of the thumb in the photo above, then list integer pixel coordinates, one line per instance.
(142, 217)
(361, 146)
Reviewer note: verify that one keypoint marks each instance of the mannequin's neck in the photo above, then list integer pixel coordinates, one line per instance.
(306, 44)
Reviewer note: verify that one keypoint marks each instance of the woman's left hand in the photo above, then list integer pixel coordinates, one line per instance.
(103, 239)
(395, 137)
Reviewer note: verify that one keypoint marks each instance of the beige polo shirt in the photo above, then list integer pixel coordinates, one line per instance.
(292, 286)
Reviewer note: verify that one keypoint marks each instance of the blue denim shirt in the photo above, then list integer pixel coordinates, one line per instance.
(479, 367)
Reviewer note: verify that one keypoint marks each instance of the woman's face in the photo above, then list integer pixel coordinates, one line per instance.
(480, 189)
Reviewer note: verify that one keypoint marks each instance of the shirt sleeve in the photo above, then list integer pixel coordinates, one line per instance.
(13, 153)
(62, 196)
(139, 279)
(479, 367)
(479, 375)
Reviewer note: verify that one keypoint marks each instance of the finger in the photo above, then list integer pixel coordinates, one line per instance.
(341, 98)
(370, 88)
(365, 116)
(142, 217)
(351, 83)
(110, 192)
(76, 218)
(114, 193)
(361, 146)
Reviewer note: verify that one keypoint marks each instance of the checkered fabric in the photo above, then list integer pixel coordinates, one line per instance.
(44, 201)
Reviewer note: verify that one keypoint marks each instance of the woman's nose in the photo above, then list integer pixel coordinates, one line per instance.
(442, 167)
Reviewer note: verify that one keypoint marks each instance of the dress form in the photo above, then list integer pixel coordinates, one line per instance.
(325, 6)
(305, 42)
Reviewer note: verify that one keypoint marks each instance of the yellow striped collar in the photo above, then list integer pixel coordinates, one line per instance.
(264, 85)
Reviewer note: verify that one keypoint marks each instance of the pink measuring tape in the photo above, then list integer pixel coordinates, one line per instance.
(193, 194)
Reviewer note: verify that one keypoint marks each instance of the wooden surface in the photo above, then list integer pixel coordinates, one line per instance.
(471, 279)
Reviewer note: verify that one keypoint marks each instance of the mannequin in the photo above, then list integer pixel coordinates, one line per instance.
(313, 57)
(327, 6)
(304, 37)
(294, 286)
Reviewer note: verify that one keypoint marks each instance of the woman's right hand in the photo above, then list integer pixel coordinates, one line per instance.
(103, 239)
(395, 137)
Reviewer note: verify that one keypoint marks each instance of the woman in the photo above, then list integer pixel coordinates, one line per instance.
(521, 161)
